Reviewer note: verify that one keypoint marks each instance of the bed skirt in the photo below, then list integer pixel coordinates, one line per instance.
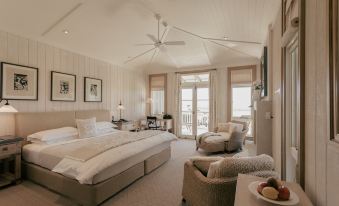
(95, 194)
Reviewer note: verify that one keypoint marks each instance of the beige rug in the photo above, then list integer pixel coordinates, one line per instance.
(161, 187)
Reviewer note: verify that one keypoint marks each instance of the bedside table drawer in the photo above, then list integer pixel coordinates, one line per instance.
(9, 149)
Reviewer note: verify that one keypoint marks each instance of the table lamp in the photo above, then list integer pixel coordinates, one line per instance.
(120, 108)
(7, 108)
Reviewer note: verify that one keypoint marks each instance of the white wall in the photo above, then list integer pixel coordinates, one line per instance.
(274, 50)
(118, 83)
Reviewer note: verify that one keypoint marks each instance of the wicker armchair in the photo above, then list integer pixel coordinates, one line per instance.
(200, 190)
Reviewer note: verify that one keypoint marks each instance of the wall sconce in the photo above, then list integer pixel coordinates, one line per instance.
(7, 108)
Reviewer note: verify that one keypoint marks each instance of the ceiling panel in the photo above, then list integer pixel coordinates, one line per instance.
(109, 29)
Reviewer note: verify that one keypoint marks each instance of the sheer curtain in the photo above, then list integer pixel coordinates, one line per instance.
(213, 100)
(177, 92)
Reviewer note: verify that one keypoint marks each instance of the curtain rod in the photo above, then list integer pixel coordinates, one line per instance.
(195, 71)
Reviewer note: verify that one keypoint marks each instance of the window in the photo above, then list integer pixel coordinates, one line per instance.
(241, 97)
(157, 85)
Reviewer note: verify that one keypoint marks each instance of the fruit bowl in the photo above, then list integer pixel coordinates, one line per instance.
(293, 200)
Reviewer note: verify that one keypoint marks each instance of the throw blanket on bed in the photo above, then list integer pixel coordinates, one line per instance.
(100, 145)
(91, 147)
(203, 136)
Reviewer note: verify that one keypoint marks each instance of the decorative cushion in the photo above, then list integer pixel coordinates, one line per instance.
(244, 124)
(203, 163)
(234, 127)
(231, 167)
(223, 127)
(86, 127)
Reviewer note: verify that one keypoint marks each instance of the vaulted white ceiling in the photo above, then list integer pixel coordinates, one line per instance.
(109, 29)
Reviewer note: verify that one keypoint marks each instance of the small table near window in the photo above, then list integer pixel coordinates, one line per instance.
(244, 197)
(10, 159)
(164, 124)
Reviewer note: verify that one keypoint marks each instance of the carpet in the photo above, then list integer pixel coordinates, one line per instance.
(161, 187)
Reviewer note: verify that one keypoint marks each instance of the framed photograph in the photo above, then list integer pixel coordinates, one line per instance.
(93, 90)
(264, 77)
(18, 82)
(63, 87)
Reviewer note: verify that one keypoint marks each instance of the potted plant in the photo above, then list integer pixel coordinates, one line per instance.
(257, 87)
(167, 116)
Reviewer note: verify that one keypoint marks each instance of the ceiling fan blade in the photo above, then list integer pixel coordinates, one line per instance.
(174, 43)
(144, 44)
(155, 54)
(235, 41)
(152, 37)
(145, 52)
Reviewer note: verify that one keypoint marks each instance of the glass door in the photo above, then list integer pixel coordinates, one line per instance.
(187, 111)
(202, 110)
(194, 105)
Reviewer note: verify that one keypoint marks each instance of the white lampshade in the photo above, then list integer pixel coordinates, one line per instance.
(120, 107)
(7, 109)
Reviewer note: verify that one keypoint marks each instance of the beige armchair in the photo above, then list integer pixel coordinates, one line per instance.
(200, 190)
(221, 143)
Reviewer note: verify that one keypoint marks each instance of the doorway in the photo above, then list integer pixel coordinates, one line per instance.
(194, 106)
(292, 111)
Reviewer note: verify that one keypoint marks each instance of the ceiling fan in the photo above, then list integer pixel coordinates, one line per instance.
(158, 43)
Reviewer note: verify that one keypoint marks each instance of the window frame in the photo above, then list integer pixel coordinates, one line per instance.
(150, 91)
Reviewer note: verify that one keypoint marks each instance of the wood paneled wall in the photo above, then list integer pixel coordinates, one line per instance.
(118, 83)
(274, 49)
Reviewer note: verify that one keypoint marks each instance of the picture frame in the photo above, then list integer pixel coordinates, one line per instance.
(63, 87)
(92, 89)
(334, 69)
(19, 82)
(264, 77)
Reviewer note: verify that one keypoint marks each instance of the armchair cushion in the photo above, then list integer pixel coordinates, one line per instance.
(220, 137)
(230, 167)
(203, 163)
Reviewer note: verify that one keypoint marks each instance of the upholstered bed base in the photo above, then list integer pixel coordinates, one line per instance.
(97, 193)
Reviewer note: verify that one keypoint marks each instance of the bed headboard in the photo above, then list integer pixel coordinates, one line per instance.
(101, 115)
(32, 122)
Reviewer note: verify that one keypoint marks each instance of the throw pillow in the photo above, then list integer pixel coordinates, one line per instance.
(231, 167)
(223, 127)
(203, 163)
(86, 127)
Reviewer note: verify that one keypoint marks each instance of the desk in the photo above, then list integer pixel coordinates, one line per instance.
(165, 124)
(244, 197)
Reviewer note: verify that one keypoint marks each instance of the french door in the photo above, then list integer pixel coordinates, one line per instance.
(194, 110)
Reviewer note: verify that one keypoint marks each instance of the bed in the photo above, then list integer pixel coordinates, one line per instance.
(92, 181)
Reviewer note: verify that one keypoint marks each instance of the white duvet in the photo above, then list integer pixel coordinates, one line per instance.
(84, 172)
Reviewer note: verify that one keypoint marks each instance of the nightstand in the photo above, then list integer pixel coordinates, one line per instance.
(125, 126)
(10, 160)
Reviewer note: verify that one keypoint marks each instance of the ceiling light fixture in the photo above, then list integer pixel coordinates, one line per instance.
(65, 31)
(226, 38)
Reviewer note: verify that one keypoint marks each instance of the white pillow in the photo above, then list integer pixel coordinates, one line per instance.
(104, 125)
(53, 134)
(102, 131)
(86, 127)
(49, 142)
